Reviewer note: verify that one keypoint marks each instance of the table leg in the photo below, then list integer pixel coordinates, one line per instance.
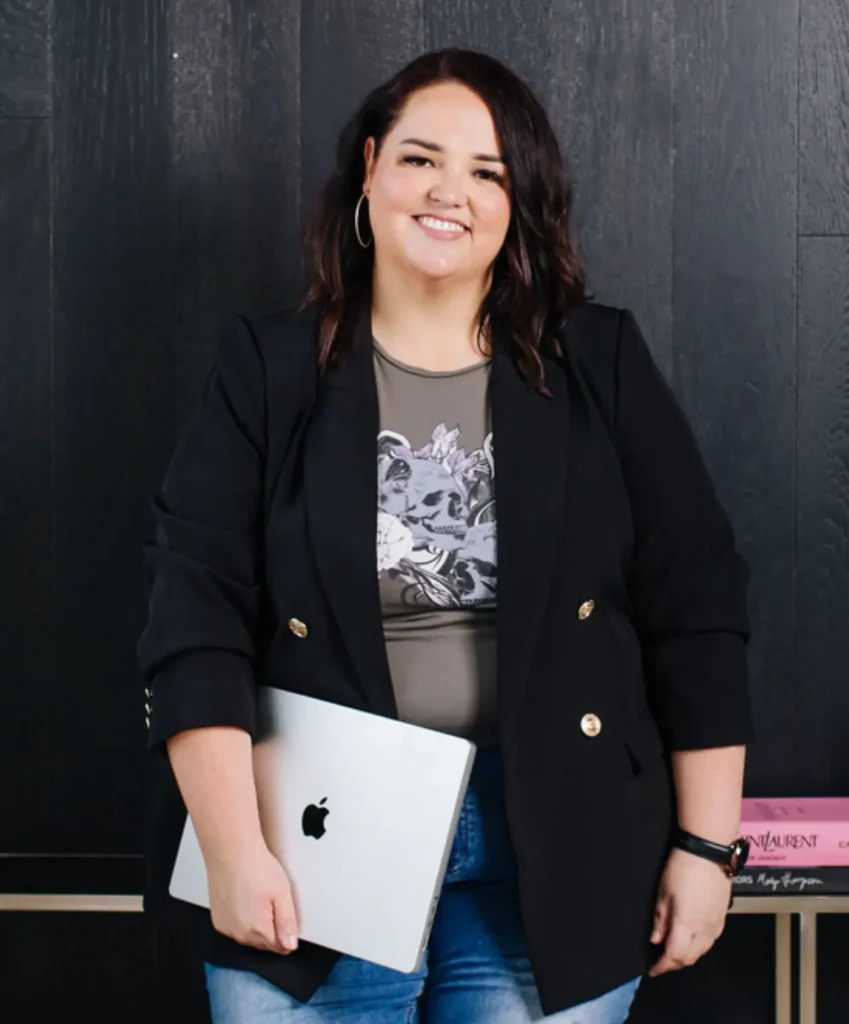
(808, 967)
(783, 969)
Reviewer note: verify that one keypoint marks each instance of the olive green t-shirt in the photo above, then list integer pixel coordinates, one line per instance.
(436, 544)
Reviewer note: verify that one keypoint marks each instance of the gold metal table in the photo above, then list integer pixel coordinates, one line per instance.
(807, 907)
(783, 907)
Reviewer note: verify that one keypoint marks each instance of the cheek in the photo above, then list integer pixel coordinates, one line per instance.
(492, 214)
(393, 199)
(398, 193)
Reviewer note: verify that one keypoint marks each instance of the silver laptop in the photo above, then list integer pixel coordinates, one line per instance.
(361, 811)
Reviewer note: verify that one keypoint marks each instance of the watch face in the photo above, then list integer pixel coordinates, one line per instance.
(741, 847)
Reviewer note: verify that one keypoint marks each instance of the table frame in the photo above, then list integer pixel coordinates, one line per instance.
(807, 907)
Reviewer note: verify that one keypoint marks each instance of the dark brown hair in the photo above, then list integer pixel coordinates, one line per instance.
(537, 275)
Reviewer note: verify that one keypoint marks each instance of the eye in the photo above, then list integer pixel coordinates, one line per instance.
(489, 175)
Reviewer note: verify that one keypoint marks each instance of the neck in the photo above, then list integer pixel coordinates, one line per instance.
(426, 322)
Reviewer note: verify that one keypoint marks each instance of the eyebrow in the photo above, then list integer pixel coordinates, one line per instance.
(436, 148)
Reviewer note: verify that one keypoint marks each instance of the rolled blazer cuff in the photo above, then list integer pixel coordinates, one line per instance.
(688, 582)
(198, 689)
(700, 690)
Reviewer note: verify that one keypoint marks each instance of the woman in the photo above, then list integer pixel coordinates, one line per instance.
(445, 378)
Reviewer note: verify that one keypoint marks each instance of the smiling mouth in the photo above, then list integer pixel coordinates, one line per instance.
(455, 225)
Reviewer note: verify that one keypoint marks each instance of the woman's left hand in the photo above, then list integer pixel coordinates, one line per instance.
(692, 903)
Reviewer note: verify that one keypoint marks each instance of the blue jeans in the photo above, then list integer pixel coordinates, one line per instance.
(475, 969)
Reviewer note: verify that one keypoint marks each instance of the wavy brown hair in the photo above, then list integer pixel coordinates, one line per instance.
(537, 277)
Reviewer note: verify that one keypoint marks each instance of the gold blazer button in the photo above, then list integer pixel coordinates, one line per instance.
(586, 610)
(591, 725)
(298, 628)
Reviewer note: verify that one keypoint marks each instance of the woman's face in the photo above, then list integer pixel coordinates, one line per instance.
(442, 161)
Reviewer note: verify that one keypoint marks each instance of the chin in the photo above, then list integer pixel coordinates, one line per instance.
(436, 275)
(435, 269)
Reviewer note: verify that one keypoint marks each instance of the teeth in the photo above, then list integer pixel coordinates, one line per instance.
(440, 225)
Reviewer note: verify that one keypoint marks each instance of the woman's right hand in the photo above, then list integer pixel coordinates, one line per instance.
(250, 900)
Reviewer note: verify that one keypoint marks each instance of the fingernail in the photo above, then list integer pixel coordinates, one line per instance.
(292, 941)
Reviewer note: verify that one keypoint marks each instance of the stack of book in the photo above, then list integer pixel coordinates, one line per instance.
(797, 846)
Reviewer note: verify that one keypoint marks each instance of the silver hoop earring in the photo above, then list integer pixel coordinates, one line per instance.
(365, 245)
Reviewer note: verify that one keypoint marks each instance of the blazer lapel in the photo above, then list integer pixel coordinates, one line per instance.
(530, 442)
(340, 481)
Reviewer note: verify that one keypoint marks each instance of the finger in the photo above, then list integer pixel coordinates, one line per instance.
(259, 940)
(285, 924)
(264, 935)
(661, 920)
(701, 945)
(668, 962)
(676, 954)
(704, 939)
(256, 937)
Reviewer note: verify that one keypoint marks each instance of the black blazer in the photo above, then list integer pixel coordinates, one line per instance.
(268, 512)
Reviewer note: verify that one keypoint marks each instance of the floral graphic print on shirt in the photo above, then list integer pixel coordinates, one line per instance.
(436, 519)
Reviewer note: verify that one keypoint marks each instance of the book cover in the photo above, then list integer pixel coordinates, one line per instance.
(791, 882)
(798, 832)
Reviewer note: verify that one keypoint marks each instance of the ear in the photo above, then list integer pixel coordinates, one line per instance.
(368, 158)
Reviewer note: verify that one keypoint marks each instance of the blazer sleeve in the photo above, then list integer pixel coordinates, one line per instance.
(688, 581)
(204, 570)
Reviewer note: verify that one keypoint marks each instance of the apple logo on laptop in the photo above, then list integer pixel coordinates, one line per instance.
(312, 821)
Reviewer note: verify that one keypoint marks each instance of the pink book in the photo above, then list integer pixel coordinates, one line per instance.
(798, 832)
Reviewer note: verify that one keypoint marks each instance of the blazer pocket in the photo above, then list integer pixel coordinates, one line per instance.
(644, 743)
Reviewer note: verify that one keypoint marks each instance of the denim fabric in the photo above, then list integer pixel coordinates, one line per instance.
(475, 970)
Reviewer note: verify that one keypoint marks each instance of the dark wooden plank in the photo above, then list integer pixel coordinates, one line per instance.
(102, 967)
(72, 874)
(236, 148)
(604, 73)
(26, 428)
(25, 825)
(72, 802)
(822, 580)
(512, 31)
(114, 377)
(824, 117)
(24, 81)
(96, 801)
(347, 48)
(833, 991)
(734, 315)
(610, 97)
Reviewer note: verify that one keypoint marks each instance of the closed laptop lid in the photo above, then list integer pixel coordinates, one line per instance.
(361, 811)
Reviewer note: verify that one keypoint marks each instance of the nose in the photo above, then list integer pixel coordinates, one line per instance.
(449, 188)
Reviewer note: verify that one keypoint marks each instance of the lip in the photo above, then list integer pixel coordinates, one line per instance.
(434, 232)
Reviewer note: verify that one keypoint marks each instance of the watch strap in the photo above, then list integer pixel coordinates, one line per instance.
(725, 856)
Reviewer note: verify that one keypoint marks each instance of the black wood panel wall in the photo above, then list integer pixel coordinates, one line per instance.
(155, 159)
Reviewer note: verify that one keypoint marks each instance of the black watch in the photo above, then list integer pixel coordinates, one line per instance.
(730, 858)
